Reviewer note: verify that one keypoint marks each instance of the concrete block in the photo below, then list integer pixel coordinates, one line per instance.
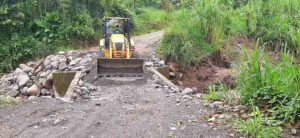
(164, 71)
(166, 80)
(61, 82)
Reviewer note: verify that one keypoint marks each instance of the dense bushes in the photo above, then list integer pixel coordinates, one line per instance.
(35, 28)
(275, 87)
(12, 52)
(42, 27)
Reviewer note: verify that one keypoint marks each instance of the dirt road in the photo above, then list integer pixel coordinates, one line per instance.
(122, 107)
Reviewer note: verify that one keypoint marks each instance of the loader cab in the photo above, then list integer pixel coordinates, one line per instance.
(118, 30)
(116, 25)
(116, 42)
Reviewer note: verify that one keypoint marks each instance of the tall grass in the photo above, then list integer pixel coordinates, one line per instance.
(150, 20)
(254, 127)
(275, 22)
(194, 34)
(275, 86)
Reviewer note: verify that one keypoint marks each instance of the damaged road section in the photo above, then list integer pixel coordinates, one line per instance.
(117, 107)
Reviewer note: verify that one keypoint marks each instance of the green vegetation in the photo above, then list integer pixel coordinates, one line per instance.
(220, 92)
(150, 20)
(194, 30)
(274, 22)
(35, 28)
(258, 126)
(199, 27)
(6, 100)
(275, 86)
(216, 92)
(194, 34)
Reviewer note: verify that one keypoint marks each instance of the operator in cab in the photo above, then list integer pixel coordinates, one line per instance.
(118, 30)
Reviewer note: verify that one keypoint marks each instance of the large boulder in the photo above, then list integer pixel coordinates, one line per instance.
(46, 84)
(39, 69)
(61, 53)
(78, 60)
(162, 63)
(45, 74)
(12, 93)
(172, 68)
(18, 71)
(48, 67)
(22, 66)
(2, 91)
(45, 92)
(54, 58)
(22, 79)
(148, 64)
(54, 65)
(63, 60)
(49, 57)
(50, 77)
(84, 61)
(33, 90)
(73, 63)
(7, 81)
(62, 66)
(27, 69)
(31, 64)
(24, 91)
(47, 63)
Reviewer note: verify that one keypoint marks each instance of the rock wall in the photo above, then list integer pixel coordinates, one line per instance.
(35, 78)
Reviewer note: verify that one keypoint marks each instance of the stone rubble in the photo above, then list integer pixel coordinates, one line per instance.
(83, 91)
(35, 78)
(154, 62)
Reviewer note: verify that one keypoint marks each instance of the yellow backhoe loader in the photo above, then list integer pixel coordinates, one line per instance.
(117, 51)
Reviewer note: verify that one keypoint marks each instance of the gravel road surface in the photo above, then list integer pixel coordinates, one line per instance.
(121, 108)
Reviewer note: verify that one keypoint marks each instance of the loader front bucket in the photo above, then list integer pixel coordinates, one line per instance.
(120, 67)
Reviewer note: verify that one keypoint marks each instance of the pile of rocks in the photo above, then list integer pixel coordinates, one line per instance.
(35, 78)
(155, 62)
(83, 90)
(158, 83)
(174, 74)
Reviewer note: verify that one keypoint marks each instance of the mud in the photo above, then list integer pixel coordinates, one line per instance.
(212, 70)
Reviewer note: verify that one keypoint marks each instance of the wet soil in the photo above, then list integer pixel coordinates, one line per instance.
(214, 69)
(220, 67)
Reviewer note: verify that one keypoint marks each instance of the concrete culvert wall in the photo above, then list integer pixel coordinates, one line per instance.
(61, 82)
